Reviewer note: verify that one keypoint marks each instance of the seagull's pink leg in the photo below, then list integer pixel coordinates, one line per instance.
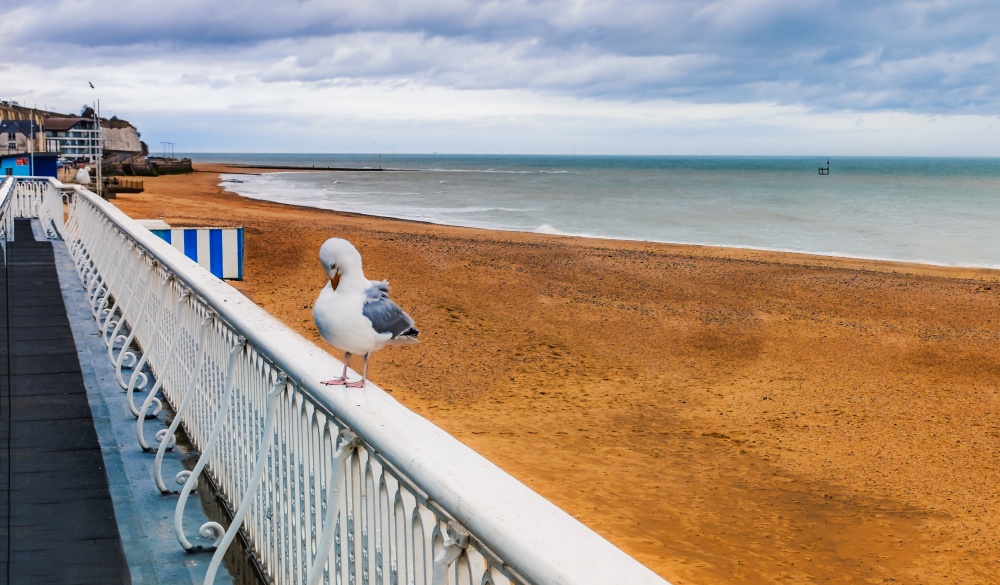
(364, 376)
(342, 380)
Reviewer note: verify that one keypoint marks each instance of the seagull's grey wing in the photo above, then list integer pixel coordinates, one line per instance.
(385, 315)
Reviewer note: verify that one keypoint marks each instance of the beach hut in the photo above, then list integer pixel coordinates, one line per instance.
(218, 250)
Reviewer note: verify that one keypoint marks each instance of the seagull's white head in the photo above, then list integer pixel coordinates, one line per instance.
(340, 258)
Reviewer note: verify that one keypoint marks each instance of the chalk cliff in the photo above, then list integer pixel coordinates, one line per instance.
(121, 139)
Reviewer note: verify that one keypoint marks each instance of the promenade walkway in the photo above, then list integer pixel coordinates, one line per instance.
(77, 503)
(58, 519)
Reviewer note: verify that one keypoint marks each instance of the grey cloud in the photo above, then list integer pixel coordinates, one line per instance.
(909, 55)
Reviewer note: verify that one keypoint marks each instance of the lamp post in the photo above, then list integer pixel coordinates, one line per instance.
(31, 140)
(31, 136)
(100, 142)
(31, 144)
(100, 147)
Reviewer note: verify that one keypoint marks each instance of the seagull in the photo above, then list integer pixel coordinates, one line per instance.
(355, 314)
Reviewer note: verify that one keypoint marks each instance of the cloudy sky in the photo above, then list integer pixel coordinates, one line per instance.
(755, 77)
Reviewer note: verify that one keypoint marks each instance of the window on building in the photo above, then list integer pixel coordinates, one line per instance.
(11, 146)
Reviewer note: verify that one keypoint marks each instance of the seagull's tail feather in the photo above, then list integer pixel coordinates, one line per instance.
(408, 337)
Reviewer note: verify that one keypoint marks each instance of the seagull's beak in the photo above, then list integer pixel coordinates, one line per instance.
(335, 279)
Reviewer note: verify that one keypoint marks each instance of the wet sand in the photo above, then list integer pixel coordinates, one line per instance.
(723, 415)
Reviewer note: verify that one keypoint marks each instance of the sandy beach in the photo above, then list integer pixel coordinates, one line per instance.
(723, 415)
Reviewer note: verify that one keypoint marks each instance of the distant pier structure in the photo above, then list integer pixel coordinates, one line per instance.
(825, 170)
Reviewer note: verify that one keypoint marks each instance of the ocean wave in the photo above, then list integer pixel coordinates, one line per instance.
(474, 209)
(331, 191)
(502, 172)
(550, 229)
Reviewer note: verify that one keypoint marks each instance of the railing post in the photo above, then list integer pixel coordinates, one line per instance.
(454, 546)
(208, 529)
(126, 353)
(147, 347)
(348, 443)
(280, 385)
(151, 396)
(166, 436)
(114, 337)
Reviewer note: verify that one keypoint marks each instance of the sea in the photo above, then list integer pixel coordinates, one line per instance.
(942, 211)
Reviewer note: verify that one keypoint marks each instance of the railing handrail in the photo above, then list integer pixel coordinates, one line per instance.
(531, 535)
(6, 186)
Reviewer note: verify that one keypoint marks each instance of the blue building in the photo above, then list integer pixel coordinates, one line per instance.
(25, 164)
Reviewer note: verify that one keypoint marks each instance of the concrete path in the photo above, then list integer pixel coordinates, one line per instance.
(59, 521)
(60, 388)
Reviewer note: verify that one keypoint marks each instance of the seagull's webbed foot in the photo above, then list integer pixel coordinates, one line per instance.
(364, 375)
(342, 380)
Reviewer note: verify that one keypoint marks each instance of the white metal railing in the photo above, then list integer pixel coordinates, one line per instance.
(25, 198)
(329, 485)
(6, 201)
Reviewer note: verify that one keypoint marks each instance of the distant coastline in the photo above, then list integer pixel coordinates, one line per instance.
(313, 168)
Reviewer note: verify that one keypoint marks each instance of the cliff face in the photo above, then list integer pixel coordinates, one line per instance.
(121, 139)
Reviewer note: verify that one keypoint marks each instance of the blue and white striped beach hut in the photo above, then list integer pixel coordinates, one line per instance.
(218, 250)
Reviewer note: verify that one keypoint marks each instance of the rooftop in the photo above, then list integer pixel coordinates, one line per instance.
(18, 126)
(62, 124)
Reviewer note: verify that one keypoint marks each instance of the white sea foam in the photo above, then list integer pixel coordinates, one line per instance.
(548, 229)
(507, 172)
